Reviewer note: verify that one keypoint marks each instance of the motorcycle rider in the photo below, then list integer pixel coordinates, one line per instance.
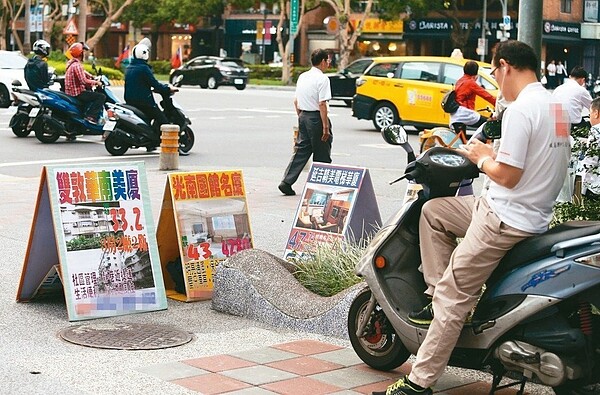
(139, 81)
(36, 69)
(78, 83)
(535, 144)
(467, 89)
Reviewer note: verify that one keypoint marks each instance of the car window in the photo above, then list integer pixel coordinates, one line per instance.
(485, 83)
(420, 71)
(196, 63)
(383, 69)
(359, 66)
(209, 61)
(232, 63)
(452, 72)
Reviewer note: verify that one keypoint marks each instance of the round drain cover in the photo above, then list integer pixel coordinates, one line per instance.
(123, 336)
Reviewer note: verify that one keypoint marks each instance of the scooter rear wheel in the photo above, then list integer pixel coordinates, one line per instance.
(114, 145)
(379, 346)
(46, 132)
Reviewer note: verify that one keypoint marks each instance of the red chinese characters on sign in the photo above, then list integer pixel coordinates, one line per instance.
(207, 185)
(125, 243)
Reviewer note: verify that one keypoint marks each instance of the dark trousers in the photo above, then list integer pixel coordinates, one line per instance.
(93, 103)
(310, 131)
(155, 115)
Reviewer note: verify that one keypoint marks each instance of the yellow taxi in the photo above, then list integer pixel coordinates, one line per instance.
(408, 90)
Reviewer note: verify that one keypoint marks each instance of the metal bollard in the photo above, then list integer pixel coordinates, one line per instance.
(169, 147)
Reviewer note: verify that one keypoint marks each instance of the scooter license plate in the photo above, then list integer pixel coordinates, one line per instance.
(238, 81)
(34, 112)
(109, 125)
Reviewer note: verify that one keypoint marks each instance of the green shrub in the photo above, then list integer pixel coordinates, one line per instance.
(111, 73)
(266, 72)
(328, 268)
(160, 66)
(582, 208)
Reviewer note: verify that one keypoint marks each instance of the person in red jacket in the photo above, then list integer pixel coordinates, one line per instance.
(467, 89)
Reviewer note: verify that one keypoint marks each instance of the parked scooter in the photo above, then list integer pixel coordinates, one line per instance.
(63, 115)
(535, 319)
(128, 127)
(596, 88)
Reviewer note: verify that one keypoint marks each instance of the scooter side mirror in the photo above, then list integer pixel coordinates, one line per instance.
(394, 135)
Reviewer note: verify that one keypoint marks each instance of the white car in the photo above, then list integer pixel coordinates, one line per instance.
(11, 68)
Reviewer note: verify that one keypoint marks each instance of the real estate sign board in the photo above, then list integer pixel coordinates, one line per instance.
(204, 220)
(93, 230)
(337, 203)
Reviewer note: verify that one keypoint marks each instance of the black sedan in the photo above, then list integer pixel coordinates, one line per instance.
(211, 72)
(343, 83)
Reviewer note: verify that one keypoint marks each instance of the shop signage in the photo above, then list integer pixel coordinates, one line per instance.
(338, 202)
(562, 29)
(203, 221)
(374, 25)
(444, 26)
(93, 232)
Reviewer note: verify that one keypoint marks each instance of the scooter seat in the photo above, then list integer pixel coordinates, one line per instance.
(68, 98)
(137, 112)
(537, 247)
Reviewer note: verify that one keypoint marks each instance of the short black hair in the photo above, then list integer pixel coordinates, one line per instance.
(578, 72)
(317, 56)
(595, 106)
(517, 54)
(471, 67)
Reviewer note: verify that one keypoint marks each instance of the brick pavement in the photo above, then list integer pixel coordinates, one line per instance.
(299, 367)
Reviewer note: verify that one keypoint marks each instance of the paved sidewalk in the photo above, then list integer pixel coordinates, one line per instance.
(299, 367)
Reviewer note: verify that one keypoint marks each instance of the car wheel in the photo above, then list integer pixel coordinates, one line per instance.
(176, 80)
(4, 97)
(240, 87)
(212, 82)
(385, 114)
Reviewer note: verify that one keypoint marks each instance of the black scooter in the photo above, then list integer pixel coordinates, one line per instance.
(127, 127)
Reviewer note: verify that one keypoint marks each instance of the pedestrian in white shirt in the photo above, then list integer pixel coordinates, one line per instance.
(561, 73)
(551, 76)
(574, 96)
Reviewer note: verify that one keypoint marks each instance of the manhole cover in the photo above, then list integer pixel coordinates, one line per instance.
(125, 336)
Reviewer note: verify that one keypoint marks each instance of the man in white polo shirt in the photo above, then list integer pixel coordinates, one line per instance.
(314, 128)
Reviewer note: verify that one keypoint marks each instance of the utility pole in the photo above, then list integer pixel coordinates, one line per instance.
(530, 25)
(483, 32)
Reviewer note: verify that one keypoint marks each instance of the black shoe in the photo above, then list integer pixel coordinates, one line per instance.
(423, 316)
(150, 149)
(404, 387)
(286, 189)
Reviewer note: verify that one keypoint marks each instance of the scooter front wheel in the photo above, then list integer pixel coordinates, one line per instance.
(378, 346)
(18, 124)
(186, 140)
(114, 145)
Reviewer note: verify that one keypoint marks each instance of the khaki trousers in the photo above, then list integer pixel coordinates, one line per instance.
(455, 274)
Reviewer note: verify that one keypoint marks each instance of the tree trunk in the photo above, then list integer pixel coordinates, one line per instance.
(82, 22)
(105, 26)
(286, 48)
(13, 28)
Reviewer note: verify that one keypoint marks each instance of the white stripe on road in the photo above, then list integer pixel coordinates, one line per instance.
(77, 160)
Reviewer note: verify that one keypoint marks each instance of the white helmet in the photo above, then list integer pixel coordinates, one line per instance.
(41, 47)
(141, 51)
(146, 41)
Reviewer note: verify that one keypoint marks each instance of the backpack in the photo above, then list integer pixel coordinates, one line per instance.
(449, 104)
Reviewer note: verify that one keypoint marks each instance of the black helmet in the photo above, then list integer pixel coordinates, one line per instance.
(41, 47)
